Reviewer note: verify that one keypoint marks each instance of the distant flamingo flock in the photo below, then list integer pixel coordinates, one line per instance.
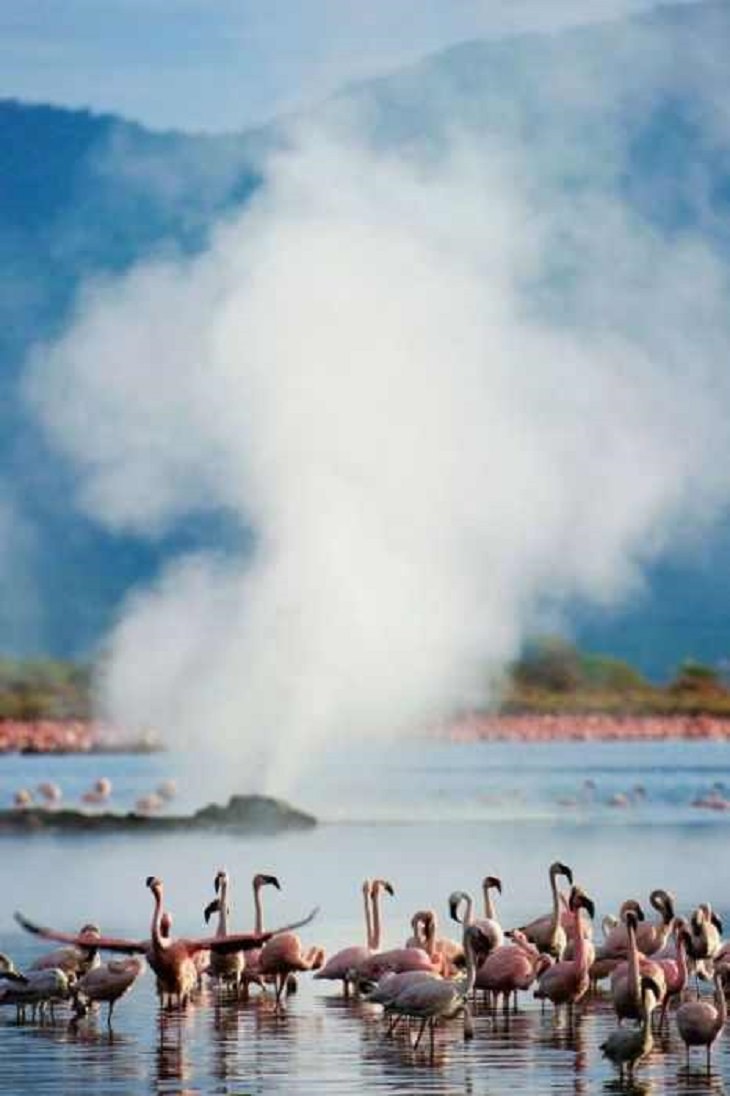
(660, 976)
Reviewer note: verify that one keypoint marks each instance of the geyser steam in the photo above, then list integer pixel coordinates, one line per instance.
(372, 369)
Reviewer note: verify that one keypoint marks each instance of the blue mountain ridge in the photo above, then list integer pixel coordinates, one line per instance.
(85, 195)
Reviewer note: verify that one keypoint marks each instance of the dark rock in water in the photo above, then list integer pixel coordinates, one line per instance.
(243, 814)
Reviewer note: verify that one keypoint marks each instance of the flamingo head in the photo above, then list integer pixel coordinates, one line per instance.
(381, 884)
(558, 868)
(154, 884)
(492, 882)
(455, 900)
(211, 908)
(631, 921)
(580, 900)
(221, 880)
(631, 906)
(261, 880)
(663, 901)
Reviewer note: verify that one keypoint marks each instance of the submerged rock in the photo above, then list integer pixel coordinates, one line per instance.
(242, 814)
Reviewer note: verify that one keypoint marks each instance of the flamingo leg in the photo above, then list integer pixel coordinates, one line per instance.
(420, 1033)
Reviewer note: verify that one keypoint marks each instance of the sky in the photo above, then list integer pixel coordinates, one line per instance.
(222, 65)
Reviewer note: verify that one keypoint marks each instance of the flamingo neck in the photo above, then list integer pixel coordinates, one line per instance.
(489, 911)
(259, 920)
(368, 918)
(682, 968)
(633, 959)
(223, 911)
(555, 925)
(377, 930)
(720, 1004)
(469, 915)
(580, 951)
(471, 964)
(158, 940)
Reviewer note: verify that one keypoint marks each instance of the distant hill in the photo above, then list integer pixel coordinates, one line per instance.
(82, 194)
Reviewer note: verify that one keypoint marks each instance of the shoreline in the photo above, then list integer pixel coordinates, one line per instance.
(594, 727)
(71, 736)
(75, 736)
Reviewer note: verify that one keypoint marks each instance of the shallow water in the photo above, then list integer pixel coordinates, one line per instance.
(432, 819)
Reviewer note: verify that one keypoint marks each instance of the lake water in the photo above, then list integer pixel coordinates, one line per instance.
(430, 817)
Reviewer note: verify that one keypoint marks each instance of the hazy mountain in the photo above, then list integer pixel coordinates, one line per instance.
(638, 107)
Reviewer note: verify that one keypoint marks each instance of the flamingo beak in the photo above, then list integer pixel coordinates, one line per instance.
(566, 871)
(454, 909)
(271, 881)
(389, 888)
(150, 881)
(493, 881)
(588, 905)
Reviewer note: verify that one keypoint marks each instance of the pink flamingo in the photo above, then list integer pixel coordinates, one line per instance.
(626, 977)
(509, 968)
(251, 975)
(377, 964)
(675, 969)
(172, 960)
(549, 931)
(226, 968)
(566, 982)
(446, 955)
(433, 999)
(339, 967)
(282, 955)
(491, 930)
(72, 960)
(107, 982)
(699, 1023)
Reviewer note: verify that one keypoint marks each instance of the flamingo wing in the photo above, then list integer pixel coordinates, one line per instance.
(245, 941)
(83, 939)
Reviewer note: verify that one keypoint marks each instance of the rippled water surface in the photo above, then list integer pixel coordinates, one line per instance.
(431, 818)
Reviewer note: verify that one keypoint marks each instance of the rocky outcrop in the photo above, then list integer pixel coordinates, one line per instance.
(248, 814)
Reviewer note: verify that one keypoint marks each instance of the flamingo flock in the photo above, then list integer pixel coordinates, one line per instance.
(650, 972)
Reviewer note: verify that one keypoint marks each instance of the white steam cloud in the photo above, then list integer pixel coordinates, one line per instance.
(368, 367)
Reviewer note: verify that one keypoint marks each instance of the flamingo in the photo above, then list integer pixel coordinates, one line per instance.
(675, 969)
(172, 960)
(107, 982)
(225, 967)
(99, 792)
(492, 933)
(433, 999)
(490, 883)
(509, 968)
(446, 955)
(74, 960)
(567, 980)
(699, 1023)
(251, 974)
(282, 955)
(339, 967)
(626, 977)
(36, 988)
(548, 932)
(627, 1047)
(705, 936)
(371, 969)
